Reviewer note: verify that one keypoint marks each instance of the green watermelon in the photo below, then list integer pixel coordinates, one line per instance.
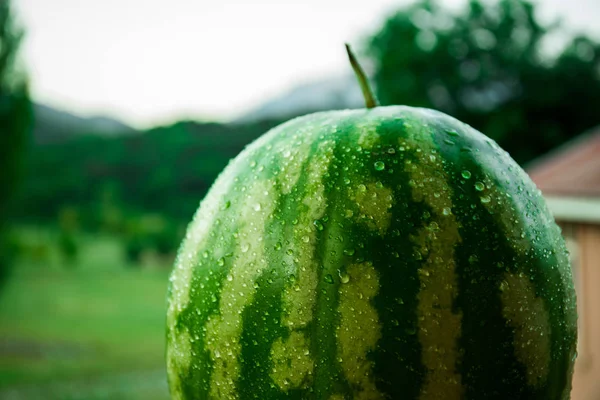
(383, 253)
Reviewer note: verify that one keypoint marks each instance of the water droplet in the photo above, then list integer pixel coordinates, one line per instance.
(449, 142)
(205, 254)
(344, 277)
(305, 239)
(252, 163)
(289, 252)
(362, 188)
(485, 199)
(466, 174)
(229, 277)
(245, 247)
(379, 165)
(452, 132)
(257, 207)
(277, 246)
(479, 186)
(391, 150)
(446, 211)
(349, 252)
(226, 205)
(347, 181)
(221, 261)
(328, 278)
(424, 272)
(318, 224)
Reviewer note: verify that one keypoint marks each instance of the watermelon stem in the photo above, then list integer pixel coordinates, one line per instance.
(370, 99)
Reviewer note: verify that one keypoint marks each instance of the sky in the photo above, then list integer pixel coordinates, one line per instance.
(149, 62)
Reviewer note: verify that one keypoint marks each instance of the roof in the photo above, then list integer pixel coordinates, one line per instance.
(572, 170)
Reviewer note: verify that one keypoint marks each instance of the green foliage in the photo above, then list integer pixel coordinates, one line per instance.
(485, 66)
(166, 171)
(15, 119)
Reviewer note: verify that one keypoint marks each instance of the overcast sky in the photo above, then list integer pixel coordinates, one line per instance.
(154, 61)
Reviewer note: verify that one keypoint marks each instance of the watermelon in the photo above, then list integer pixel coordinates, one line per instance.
(382, 253)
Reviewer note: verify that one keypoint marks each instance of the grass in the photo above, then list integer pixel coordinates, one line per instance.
(93, 329)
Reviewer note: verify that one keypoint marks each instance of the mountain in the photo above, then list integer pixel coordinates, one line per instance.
(327, 94)
(52, 125)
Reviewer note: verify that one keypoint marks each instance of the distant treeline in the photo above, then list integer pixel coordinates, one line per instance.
(165, 171)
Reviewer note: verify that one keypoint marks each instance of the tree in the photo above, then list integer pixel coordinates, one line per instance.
(15, 122)
(486, 66)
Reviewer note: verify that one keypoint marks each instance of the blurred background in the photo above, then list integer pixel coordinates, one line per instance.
(117, 115)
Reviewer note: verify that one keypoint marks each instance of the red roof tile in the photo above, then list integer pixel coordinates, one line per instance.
(571, 170)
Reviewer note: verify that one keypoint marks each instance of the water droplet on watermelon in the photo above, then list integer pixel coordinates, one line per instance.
(449, 142)
(485, 199)
(349, 252)
(391, 150)
(229, 277)
(466, 174)
(362, 188)
(446, 211)
(347, 181)
(289, 252)
(328, 278)
(344, 277)
(252, 164)
(318, 224)
(257, 207)
(205, 254)
(221, 261)
(452, 132)
(245, 247)
(349, 214)
(379, 165)
(411, 331)
(305, 239)
(226, 205)
(277, 246)
(479, 186)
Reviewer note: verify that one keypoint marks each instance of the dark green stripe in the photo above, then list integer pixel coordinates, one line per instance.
(398, 365)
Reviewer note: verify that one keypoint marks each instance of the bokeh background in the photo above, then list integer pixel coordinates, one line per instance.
(117, 115)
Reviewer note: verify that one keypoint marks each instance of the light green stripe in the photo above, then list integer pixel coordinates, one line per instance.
(439, 326)
(292, 362)
(359, 329)
(179, 358)
(523, 310)
(179, 348)
(530, 320)
(223, 330)
(374, 203)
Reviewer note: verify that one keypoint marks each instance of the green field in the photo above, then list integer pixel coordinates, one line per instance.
(91, 329)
